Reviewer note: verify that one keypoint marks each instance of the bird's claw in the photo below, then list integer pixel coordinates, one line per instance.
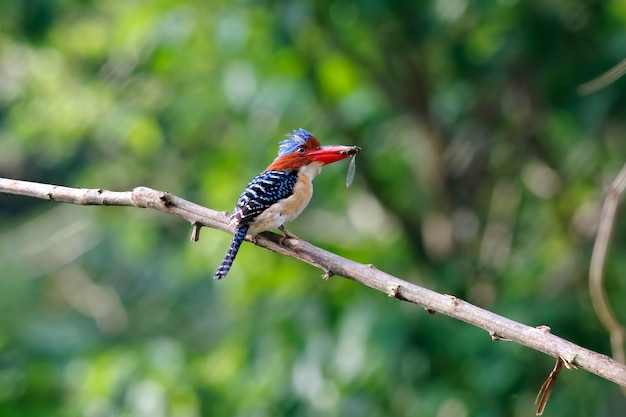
(288, 234)
(289, 239)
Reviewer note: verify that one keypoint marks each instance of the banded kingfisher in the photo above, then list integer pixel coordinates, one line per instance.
(280, 193)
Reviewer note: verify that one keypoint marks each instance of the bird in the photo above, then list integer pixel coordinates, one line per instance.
(281, 192)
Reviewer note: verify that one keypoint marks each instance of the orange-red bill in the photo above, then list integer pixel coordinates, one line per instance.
(333, 153)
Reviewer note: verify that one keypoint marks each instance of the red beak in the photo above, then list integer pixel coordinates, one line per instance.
(333, 153)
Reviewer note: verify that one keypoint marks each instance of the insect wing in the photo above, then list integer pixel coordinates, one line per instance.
(351, 170)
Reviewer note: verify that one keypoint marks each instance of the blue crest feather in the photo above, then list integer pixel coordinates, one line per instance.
(297, 138)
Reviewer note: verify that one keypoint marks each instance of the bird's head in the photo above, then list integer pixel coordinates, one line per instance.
(302, 149)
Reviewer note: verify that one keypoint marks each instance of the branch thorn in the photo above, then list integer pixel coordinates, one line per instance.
(453, 300)
(543, 328)
(195, 232)
(393, 291)
(498, 337)
(166, 198)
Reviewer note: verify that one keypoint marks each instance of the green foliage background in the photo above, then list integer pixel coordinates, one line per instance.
(481, 176)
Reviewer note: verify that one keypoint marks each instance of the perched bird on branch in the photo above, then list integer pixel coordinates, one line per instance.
(280, 193)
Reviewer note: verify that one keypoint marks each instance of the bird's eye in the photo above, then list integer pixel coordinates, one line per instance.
(301, 150)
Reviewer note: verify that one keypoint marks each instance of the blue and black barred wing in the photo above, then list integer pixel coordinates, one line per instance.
(265, 189)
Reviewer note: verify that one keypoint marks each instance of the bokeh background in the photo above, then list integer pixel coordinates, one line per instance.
(481, 176)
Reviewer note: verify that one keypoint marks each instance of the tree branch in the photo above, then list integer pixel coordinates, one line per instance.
(596, 270)
(500, 328)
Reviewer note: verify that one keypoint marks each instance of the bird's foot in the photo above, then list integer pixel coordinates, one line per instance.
(289, 239)
(287, 233)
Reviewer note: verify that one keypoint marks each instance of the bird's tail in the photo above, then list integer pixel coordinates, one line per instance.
(235, 244)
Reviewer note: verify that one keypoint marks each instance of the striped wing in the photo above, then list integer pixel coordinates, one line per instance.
(264, 190)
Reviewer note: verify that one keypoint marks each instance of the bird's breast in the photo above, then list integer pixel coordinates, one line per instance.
(286, 209)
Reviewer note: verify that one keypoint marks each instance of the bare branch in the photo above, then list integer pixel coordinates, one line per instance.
(141, 197)
(535, 338)
(603, 80)
(596, 270)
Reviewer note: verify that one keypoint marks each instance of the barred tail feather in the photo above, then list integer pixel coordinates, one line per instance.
(238, 238)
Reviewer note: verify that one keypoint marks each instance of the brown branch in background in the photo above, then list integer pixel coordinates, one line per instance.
(596, 269)
(331, 264)
(603, 80)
